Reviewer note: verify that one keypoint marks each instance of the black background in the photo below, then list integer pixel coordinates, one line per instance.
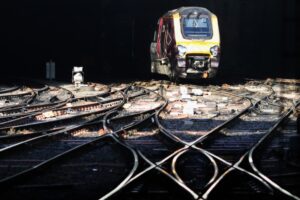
(111, 38)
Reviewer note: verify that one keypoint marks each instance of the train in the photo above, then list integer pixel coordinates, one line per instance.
(186, 44)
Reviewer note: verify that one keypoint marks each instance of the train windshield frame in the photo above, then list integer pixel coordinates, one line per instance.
(198, 27)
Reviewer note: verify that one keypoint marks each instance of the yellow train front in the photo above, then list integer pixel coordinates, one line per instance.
(186, 44)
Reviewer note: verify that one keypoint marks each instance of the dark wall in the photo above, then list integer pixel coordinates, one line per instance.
(111, 38)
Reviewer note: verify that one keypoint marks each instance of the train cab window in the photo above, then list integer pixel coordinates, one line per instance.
(196, 27)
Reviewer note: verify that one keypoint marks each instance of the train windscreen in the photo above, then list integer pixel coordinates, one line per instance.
(196, 27)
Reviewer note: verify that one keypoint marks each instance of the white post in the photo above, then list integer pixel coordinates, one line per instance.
(77, 76)
(52, 71)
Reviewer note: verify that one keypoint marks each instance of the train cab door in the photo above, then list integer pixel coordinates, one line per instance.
(159, 59)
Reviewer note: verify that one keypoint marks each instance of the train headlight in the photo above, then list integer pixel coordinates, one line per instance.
(181, 50)
(181, 63)
(215, 50)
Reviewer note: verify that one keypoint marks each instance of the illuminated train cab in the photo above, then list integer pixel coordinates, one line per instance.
(186, 44)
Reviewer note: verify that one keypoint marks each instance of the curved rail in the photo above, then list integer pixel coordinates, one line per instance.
(249, 155)
(259, 143)
(187, 146)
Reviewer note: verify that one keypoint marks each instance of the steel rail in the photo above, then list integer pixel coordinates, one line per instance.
(53, 134)
(18, 136)
(178, 153)
(6, 181)
(102, 101)
(209, 155)
(124, 183)
(42, 89)
(25, 111)
(102, 107)
(260, 143)
(11, 89)
(115, 136)
(248, 155)
(53, 159)
(192, 145)
(155, 166)
(25, 104)
(187, 144)
(28, 97)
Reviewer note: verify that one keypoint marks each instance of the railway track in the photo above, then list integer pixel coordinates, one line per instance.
(22, 96)
(65, 111)
(46, 100)
(235, 146)
(40, 98)
(78, 109)
(211, 153)
(34, 150)
(7, 89)
(278, 157)
(95, 133)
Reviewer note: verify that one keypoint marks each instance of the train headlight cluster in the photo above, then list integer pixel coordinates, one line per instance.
(181, 50)
(215, 50)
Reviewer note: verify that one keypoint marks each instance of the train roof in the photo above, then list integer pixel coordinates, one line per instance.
(188, 10)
